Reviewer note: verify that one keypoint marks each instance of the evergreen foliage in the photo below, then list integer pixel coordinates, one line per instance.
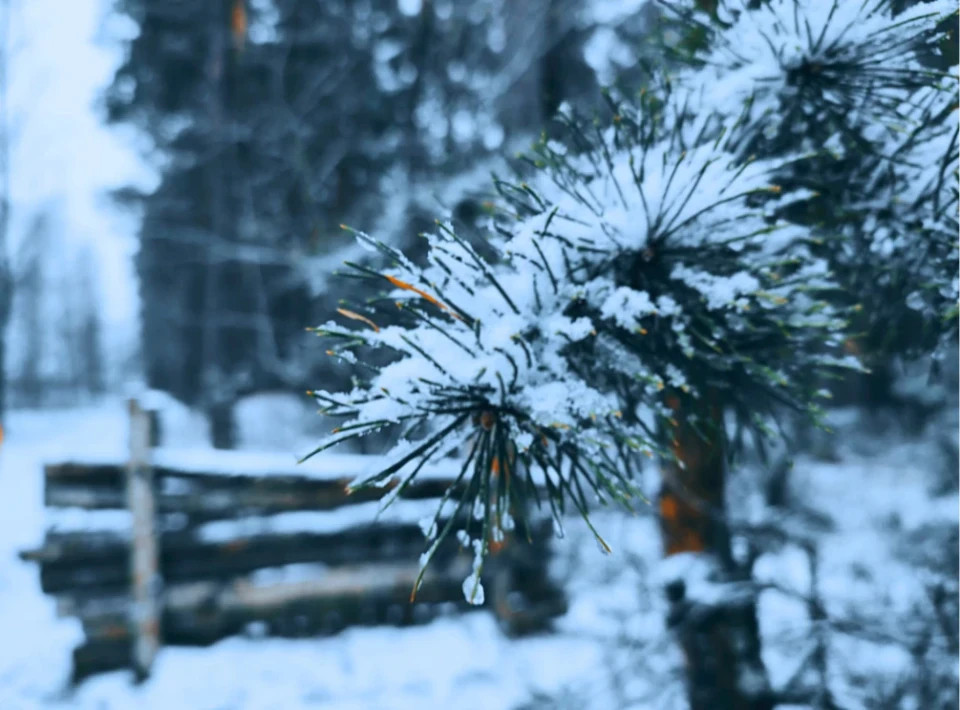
(703, 242)
(863, 87)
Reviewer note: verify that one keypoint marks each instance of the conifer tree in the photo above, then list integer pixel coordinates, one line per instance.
(659, 273)
(870, 100)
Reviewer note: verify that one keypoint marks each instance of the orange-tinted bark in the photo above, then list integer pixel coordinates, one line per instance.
(721, 644)
(692, 495)
(238, 24)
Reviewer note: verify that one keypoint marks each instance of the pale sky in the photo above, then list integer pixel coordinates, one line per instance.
(61, 151)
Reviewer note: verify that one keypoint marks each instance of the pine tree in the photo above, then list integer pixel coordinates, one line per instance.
(873, 106)
(30, 308)
(659, 273)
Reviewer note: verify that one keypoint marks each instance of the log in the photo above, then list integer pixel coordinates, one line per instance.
(72, 563)
(88, 545)
(199, 613)
(214, 496)
(184, 559)
(104, 578)
(83, 495)
(103, 653)
(202, 613)
(85, 605)
(107, 475)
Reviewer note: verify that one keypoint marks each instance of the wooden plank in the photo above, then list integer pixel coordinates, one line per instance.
(72, 566)
(198, 613)
(203, 612)
(110, 475)
(144, 564)
(241, 463)
(191, 623)
(215, 496)
(86, 544)
(81, 606)
(85, 564)
(88, 497)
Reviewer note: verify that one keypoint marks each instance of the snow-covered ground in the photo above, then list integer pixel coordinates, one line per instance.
(609, 651)
(454, 662)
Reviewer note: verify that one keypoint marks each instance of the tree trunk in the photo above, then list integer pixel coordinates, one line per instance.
(4, 404)
(223, 432)
(720, 639)
(6, 305)
(6, 287)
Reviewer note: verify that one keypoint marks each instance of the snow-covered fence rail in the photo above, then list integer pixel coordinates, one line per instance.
(186, 548)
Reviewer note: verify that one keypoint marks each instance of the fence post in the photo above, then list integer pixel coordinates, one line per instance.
(145, 607)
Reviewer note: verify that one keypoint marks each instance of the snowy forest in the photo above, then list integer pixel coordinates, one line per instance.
(675, 280)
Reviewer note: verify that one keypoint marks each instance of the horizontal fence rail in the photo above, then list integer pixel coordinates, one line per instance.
(187, 548)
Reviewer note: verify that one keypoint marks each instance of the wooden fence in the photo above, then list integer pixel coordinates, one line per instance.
(227, 544)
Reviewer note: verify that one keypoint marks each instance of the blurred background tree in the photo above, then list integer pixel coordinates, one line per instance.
(271, 122)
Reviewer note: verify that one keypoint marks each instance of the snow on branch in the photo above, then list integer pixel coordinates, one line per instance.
(631, 267)
(643, 257)
(805, 69)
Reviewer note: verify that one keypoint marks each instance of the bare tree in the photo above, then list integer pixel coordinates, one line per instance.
(30, 287)
(83, 326)
(6, 282)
